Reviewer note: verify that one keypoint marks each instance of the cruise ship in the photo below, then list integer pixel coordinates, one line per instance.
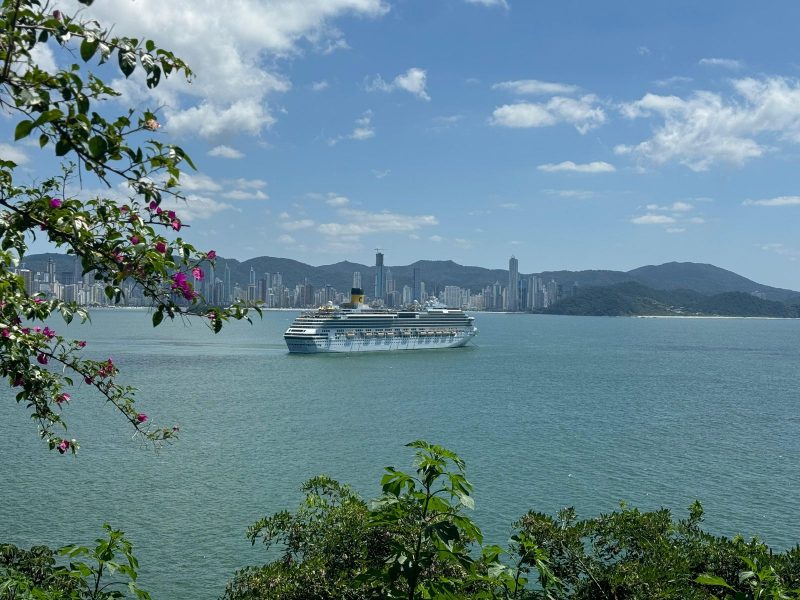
(354, 327)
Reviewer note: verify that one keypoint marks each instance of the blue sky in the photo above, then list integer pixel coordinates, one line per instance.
(574, 135)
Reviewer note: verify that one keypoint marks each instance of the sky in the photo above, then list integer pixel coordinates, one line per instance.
(573, 135)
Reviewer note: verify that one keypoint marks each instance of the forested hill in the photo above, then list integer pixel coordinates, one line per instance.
(702, 278)
(631, 298)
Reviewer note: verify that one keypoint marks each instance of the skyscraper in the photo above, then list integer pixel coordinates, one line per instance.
(417, 290)
(512, 295)
(380, 277)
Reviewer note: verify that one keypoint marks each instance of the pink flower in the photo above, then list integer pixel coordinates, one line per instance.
(37, 329)
(6, 333)
(171, 214)
(176, 225)
(26, 330)
(81, 344)
(42, 359)
(134, 239)
(161, 247)
(38, 300)
(151, 124)
(48, 333)
(124, 208)
(141, 418)
(88, 380)
(198, 273)
(55, 202)
(18, 381)
(63, 446)
(211, 254)
(63, 398)
(158, 210)
(153, 205)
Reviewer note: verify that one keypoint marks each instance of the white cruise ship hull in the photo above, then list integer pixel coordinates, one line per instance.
(378, 344)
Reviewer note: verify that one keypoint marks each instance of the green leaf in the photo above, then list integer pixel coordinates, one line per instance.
(88, 48)
(158, 316)
(63, 146)
(712, 580)
(97, 146)
(127, 62)
(23, 129)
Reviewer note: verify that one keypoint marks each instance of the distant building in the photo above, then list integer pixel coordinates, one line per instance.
(512, 298)
(380, 277)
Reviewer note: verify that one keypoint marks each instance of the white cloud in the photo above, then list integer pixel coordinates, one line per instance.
(436, 238)
(195, 207)
(286, 239)
(359, 222)
(223, 151)
(247, 184)
(779, 201)
(413, 81)
(509, 205)
(651, 219)
(781, 249)
(725, 63)
(580, 194)
(674, 80)
(319, 86)
(380, 174)
(643, 51)
(198, 182)
(337, 200)
(363, 130)
(296, 225)
(675, 229)
(14, 153)
(534, 87)
(245, 195)
(674, 207)
(583, 113)
(592, 167)
(708, 128)
(500, 3)
(239, 71)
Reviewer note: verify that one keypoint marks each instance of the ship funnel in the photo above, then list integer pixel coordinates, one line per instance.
(357, 296)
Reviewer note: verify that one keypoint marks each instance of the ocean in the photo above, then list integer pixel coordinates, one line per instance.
(547, 411)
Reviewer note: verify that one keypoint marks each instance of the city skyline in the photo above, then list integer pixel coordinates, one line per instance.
(572, 136)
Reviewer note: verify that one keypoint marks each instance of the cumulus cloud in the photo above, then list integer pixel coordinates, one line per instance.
(337, 200)
(412, 81)
(674, 80)
(223, 151)
(779, 201)
(725, 63)
(579, 194)
(674, 207)
(500, 3)
(14, 153)
(237, 73)
(363, 130)
(583, 113)
(319, 86)
(195, 207)
(534, 87)
(569, 166)
(651, 219)
(286, 239)
(296, 225)
(359, 222)
(707, 128)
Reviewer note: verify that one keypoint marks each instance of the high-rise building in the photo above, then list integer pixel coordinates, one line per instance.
(228, 291)
(357, 279)
(51, 271)
(417, 289)
(380, 277)
(512, 295)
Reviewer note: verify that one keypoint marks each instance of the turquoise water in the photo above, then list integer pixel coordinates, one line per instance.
(547, 411)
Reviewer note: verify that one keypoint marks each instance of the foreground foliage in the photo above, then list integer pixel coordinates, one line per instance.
(119, 241)
(416, 542)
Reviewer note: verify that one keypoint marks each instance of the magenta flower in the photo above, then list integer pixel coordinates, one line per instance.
(135, 239)
(63, 398)
(176, 429)
(6, 333)
(124, 208)
(48, 333)
(55, 202)
(63, 446)
(176, 225)
(141, 418)
(171, 214)
(158, 210)
(211, 254)
(153, 205)
(81, 344)
(88, 380)
(18, 381)
(161, 247)
(38, 300)
(198, 273)
(42, 359)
